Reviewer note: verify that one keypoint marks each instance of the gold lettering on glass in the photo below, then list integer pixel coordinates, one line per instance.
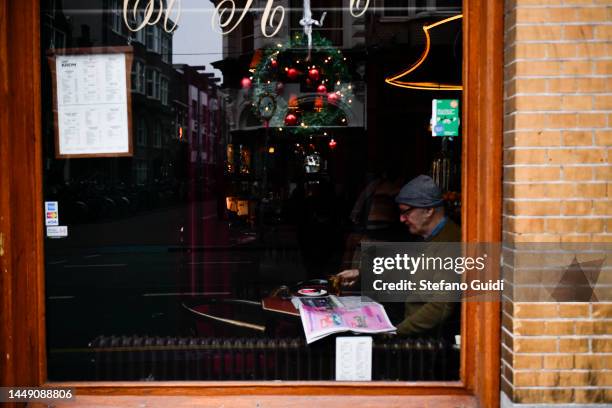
(224, 15)
(224, 19)
(268, 17)
(150, 15)
(357, 9)
(177, 17)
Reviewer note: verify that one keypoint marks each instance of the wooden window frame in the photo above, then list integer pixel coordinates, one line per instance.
(22, 304)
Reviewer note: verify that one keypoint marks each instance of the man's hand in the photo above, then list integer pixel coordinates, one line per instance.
(348, 277)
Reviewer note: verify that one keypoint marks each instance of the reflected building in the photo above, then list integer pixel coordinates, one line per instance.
(175, 109)
(200, 123)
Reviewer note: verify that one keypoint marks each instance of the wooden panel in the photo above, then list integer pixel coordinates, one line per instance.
(267, 402)
(482, 182)
(7, 368)
(21, 215)
(210, 388)
(22, 314)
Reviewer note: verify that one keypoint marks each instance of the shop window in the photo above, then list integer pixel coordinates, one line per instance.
(250, 182)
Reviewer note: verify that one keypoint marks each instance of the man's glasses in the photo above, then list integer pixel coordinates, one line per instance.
(407, 211)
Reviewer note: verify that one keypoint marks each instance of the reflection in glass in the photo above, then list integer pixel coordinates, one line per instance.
(258, 169)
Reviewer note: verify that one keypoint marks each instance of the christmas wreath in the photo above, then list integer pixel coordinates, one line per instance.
(325, 90)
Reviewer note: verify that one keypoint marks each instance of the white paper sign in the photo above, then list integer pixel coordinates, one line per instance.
(354, 358)
(51, 213)
(60, 231)
(92, 108)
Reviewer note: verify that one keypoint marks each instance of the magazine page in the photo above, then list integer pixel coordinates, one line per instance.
(325, 315)
(319, 322)
(369, 318)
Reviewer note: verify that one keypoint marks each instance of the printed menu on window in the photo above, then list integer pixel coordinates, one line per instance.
(92, 105)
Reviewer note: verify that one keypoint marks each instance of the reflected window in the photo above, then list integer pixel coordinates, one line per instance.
(116, 7)
(153, 78)
(141, 132)
(138, 77)
(166, 50)
(141, 172)
(157, 135)
(164, 91)
(153, 38)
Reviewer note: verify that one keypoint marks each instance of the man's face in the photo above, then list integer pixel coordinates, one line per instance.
(416, 219)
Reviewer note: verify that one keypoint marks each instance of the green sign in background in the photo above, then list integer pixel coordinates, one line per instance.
(445, 117)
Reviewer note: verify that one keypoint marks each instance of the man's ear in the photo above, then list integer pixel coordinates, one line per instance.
(430, 212)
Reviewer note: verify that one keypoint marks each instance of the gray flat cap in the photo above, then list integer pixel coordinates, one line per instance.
(420, 192)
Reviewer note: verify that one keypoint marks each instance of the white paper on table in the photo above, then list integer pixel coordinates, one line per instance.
(354, 358)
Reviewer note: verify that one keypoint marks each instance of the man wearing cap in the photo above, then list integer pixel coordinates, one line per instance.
(421, 210)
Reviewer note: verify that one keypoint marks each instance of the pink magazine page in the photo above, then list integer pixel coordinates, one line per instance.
(318, 323)
(367, 318)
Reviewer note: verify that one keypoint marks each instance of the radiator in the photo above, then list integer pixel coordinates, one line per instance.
(125, 358)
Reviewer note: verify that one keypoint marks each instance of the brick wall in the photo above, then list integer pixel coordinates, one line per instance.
(557, 188)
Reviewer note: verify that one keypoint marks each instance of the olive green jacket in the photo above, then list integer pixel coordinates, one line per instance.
(426, 318)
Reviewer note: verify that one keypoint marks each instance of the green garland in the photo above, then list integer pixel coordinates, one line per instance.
(333, 70)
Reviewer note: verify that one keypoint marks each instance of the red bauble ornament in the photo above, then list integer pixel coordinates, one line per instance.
(291, 120)
(308, 82)
(332, 144)
(332, 97)
(292, 73)
(313, 74)
(274, 63)
(322, 89)
(246, 83)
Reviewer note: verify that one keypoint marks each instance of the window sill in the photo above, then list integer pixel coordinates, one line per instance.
(270, 394)
(272, 401)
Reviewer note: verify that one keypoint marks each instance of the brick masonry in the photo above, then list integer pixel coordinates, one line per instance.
(557, 188)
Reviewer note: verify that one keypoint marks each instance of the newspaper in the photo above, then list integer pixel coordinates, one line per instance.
(325, 315)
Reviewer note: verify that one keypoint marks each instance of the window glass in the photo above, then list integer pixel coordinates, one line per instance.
(205, 178)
